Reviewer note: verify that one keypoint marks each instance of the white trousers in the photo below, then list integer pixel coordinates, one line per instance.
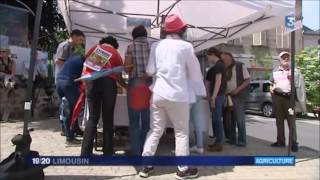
(178, 114)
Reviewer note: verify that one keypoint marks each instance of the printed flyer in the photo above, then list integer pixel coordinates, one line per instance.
(97, 59)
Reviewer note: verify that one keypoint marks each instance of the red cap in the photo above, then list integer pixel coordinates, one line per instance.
(173, 23)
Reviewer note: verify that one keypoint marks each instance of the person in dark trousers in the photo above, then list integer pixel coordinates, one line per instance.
(281, 91)
(101, 94)
(137, 54)
(216, 77)
(238, 80)
(66, 87)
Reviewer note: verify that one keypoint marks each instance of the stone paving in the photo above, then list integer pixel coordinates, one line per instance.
(47, 140)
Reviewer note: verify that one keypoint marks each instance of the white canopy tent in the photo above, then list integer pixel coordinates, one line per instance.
(210, 22)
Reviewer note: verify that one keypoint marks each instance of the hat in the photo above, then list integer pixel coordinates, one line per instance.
(173, 23)
(283, 53)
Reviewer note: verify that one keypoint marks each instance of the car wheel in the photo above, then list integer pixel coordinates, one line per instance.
(267, 110)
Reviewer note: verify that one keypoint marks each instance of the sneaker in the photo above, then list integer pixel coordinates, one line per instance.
(215, 147)
(188, 174)
(195, 149)
(78, 133)
(294, 147)
(146, 171)
(277, 144)
(73, 142)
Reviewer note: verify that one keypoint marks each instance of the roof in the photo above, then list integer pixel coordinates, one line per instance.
(210, 22)
(308, 31)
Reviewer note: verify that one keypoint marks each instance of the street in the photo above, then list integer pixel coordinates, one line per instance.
(265, 128)
(261, 132)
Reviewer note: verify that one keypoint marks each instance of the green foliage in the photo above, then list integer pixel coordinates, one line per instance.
(80, 50)
(309, 64)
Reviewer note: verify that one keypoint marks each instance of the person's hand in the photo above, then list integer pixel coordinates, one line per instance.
(205, 98)
(213, 102)
(271, 90)
(234, 92)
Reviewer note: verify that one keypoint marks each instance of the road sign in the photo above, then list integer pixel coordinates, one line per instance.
(291, 24)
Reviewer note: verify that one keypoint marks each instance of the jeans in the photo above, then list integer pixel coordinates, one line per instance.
(139, 123)
(238, 119)
(197, 123)
(67, 88)
(101, 94)
(217, 124)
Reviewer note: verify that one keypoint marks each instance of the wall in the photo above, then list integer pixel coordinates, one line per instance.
(310, 40)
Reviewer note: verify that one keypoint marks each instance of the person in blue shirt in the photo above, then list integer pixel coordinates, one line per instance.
(66, 87)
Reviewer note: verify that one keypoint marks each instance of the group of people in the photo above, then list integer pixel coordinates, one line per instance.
(172, 71)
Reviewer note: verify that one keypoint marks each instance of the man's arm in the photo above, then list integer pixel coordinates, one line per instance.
(151, 67)
(128, 60)
(207, 85)
(244, 84)
(216, 88)
(59, 62)
(121, 82)
(194, 72)
(61, 55)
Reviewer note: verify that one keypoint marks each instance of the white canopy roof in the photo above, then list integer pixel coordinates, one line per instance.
(210, 22)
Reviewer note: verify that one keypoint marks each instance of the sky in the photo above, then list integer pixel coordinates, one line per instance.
(311, 13)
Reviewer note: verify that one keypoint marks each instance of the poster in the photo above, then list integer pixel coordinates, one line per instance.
(98, 59)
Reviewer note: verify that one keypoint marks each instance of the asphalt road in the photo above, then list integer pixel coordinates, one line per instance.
(265, 128)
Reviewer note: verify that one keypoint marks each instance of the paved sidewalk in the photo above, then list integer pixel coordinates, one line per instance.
(47, 140)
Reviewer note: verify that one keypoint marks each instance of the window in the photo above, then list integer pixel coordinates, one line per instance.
(256, 39)
(266, 87)
(259, 39)
(282, 39)
(237, 41)
(254, 87)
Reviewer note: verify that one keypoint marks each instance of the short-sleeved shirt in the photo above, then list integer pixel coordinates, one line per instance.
(232, 83)
(218, 68)
(280, 79)
(64, 51)
(72, 68)
(114, 60)
(139, 51)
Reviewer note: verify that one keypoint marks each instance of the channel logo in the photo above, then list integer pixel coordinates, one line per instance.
(274, 160)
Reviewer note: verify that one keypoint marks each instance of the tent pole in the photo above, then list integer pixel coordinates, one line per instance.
(158, 9)
(292, 94)
(28, 101)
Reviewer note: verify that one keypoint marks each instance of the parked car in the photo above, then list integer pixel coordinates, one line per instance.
(259, 98)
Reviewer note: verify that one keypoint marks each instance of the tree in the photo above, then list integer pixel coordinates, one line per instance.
(309, 64)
